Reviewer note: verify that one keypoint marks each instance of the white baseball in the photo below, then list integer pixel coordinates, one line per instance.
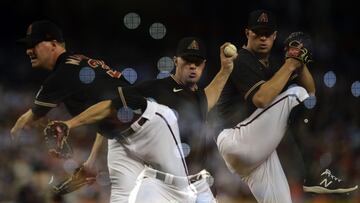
(230, 50)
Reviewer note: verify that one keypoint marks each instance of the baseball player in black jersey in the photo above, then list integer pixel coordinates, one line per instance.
(180, 93)
(75, 80)
(44, 40)
(254, 108)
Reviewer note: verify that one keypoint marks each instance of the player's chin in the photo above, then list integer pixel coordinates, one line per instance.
(193, 79)
(35, 65)
(263, 50)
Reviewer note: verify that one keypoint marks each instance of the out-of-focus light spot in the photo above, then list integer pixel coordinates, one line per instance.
(103, 179)
(132, 20)
(330, 79)
(310, 102)
(162, 75)
(185, 148)
(355, 89)
(157, 31)
(70, 165)
(87, 75)
(165, 64)
(130, 75)
(125, 114)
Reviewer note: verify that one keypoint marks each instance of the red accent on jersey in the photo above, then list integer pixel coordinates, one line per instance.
(114, 73)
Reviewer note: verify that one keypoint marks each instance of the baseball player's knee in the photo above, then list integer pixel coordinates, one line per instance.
(240, 162)
(300, 92)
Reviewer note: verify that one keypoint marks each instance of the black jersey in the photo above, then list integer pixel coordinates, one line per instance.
(78, 82)
(190, 108)
(235, 103)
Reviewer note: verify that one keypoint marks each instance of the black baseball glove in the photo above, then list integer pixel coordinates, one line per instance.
(56, 134)
(298, 45)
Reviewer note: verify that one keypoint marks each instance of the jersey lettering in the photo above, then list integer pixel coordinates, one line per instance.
(114, 73)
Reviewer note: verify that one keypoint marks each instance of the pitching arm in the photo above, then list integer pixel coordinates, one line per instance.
(91, 115)
(95, 150)
(213, 90)
(25, 119)
(272, 88)
(306, 80)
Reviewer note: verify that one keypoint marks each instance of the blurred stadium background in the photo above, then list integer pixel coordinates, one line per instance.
(139, 38)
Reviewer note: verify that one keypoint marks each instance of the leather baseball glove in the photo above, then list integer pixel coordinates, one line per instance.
(56, 134)
(78, 179)
(298, 45)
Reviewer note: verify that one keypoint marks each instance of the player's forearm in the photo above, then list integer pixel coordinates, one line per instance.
(272, 88)
(90, 162)
(25, 119)
(97, 146)
(91, 115)
(306, 80)
(213, 90)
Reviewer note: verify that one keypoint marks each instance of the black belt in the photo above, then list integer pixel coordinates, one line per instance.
(129, 131)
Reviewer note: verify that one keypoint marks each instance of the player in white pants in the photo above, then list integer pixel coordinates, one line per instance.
(153, 139)
(255, 105)
(127, 156)
(156, 186)
(124, 168)
(181, 93)
(249, 149)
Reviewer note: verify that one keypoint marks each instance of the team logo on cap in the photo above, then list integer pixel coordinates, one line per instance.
(194, 45)
(263, 18)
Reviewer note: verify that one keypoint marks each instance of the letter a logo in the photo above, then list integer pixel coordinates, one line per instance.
(263, 18)
(194, 45)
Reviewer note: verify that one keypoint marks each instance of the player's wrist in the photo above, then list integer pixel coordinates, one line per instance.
(69, 124)
(293, 64)
(226, 69)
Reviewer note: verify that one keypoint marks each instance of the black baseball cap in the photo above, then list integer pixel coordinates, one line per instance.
(191, 47)
(39, 31)
(262, 20)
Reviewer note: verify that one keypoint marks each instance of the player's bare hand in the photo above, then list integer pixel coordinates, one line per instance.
(228, 54)
(294, 64)
(14, 132)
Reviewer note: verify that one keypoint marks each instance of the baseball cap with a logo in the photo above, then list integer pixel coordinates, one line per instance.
(39, 31)
(262, 21)
(191, 47)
